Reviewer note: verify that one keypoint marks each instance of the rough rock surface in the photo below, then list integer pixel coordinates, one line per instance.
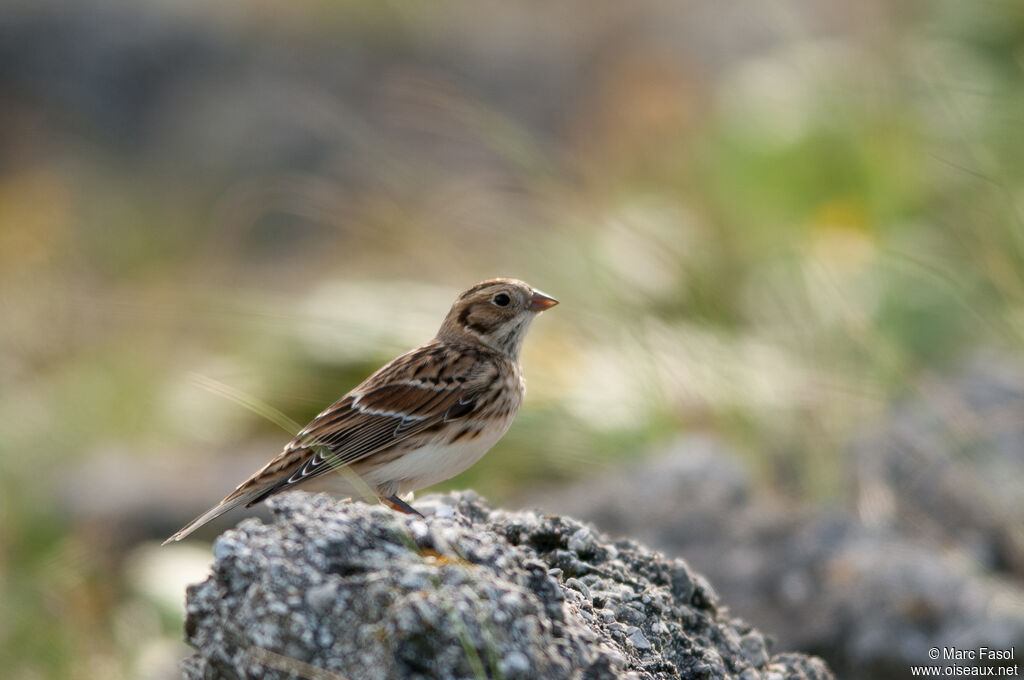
(341, 590)
(871, 596)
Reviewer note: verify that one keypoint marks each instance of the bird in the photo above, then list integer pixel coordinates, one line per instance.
(422, 418)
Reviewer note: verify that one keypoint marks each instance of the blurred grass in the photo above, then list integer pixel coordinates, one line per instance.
(768, 241)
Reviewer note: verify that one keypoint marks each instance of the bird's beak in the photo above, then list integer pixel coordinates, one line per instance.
(539, 302)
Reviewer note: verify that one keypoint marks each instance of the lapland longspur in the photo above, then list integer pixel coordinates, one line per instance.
(421, 419)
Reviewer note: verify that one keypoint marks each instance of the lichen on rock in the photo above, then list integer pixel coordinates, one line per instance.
(336, 590)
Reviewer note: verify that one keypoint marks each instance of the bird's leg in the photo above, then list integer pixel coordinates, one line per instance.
(396, 503)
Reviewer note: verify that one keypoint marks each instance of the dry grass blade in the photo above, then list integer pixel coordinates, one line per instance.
(287, 664)
(257, 406)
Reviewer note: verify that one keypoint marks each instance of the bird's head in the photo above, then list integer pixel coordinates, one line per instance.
(496, 313)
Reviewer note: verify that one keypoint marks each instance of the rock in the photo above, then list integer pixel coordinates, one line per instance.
(948, 463)
(695, 499)
(332, 589)
(876, 599)
(871, 597)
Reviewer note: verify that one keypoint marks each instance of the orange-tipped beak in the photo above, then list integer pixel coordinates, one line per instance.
(540, 302)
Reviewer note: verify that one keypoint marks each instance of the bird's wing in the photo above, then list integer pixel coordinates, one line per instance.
(417, 391)
(357, 427)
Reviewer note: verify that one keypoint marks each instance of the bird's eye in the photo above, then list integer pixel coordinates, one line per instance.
(502, 300)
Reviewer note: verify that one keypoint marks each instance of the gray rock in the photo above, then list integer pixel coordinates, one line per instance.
(871, 597)
(346, 590)
(947, 464)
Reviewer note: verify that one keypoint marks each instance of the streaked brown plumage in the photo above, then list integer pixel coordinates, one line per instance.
(421, 419)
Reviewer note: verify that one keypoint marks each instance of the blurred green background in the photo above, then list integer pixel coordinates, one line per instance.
(763, 220)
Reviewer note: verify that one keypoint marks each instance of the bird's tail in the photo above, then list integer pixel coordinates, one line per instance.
(247, 496)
